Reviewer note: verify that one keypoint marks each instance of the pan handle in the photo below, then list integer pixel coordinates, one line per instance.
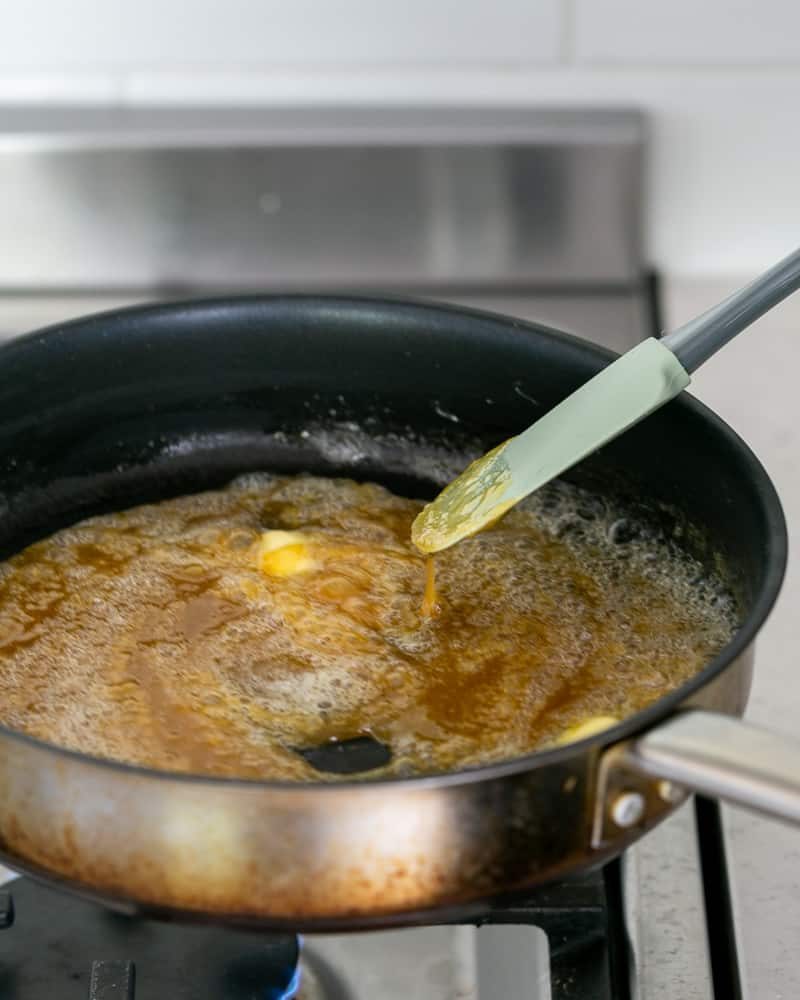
(723, 757)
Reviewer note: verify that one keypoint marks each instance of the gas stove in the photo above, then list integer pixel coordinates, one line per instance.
(535, 214)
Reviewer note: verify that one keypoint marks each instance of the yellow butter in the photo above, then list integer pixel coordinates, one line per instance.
(591, 726)
(284, 553)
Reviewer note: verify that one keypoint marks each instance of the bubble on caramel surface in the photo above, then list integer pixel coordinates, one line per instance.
(171, 635)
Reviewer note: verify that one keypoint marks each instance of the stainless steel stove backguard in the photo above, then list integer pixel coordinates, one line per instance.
(96, 199)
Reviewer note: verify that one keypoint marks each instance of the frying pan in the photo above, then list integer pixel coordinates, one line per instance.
(137, 405)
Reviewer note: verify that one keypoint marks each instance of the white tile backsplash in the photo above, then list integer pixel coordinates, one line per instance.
(719, 78)
(207, 34)
(697, 32)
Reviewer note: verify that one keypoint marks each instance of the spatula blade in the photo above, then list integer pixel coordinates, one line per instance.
(625, 392)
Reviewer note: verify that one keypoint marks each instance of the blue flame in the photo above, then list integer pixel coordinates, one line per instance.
(292, 988)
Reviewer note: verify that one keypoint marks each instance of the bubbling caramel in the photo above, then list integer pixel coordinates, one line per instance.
(224, 633)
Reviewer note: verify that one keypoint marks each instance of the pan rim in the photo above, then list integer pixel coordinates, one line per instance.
(775, 556)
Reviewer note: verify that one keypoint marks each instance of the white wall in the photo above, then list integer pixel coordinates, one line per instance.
(721, 78)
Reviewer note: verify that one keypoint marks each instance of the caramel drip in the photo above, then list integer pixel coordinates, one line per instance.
(430, 607)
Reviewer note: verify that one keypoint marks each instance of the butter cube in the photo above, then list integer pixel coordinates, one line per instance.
(595, 724)
(284, 553)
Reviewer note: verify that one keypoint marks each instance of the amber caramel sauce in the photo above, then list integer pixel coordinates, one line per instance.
(219, 633)
(430, 606)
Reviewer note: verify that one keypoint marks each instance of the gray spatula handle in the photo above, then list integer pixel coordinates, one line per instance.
(695, 341)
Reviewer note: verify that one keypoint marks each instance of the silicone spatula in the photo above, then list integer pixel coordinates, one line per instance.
(630, 388)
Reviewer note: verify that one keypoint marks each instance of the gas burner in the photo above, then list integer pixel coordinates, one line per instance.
(57, 945)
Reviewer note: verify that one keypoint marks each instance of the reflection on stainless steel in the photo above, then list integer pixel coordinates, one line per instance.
(268, 199)
(434, 963)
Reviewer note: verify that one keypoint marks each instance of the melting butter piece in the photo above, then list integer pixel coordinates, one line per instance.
(591, 726)
(284, 553)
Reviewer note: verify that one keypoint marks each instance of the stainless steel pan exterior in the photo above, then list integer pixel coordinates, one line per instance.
(218, 387)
